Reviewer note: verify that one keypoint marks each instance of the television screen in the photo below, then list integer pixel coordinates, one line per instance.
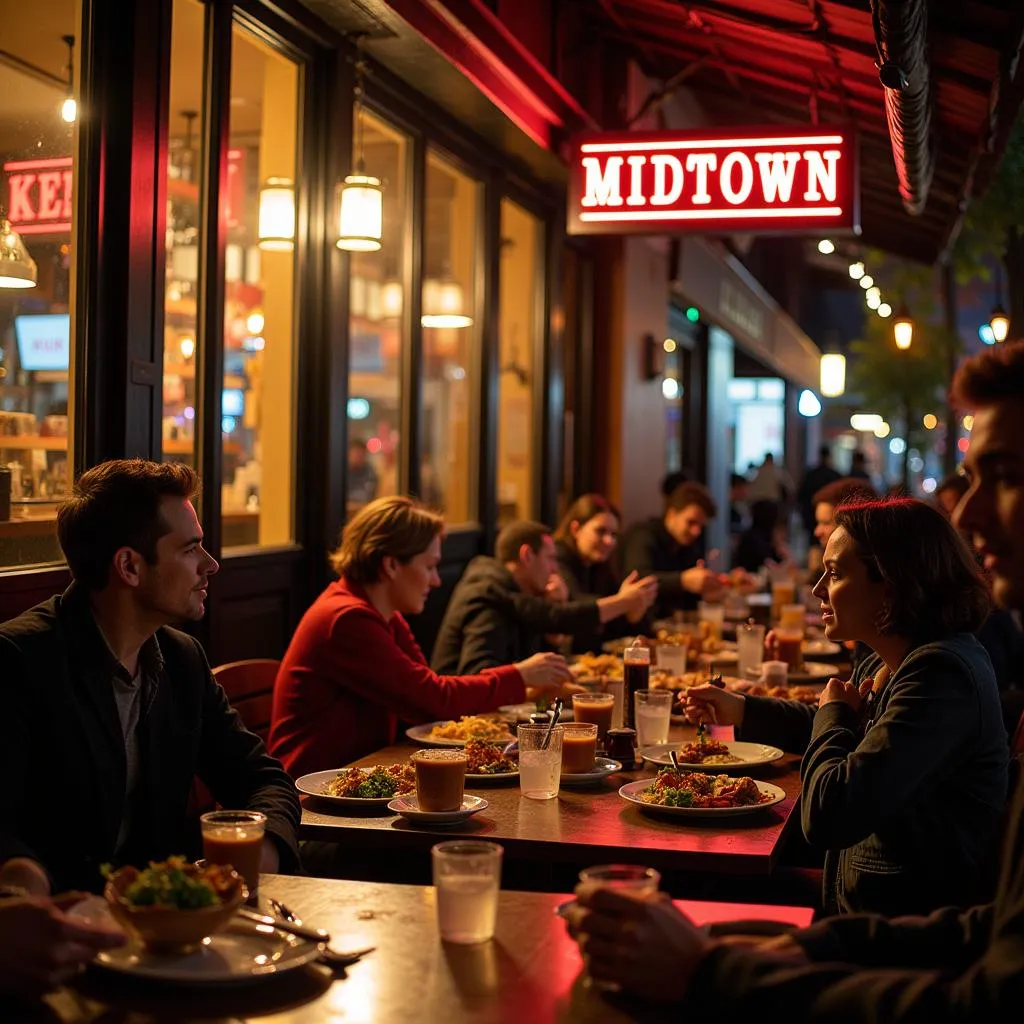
(232, 402)
(43, 341)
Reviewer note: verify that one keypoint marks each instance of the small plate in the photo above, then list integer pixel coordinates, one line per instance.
(812, 672)
(314, 784)
(408, 808)
(421, 734)
(631, 789)
(603, 767)
(821, 648)
(753, 754)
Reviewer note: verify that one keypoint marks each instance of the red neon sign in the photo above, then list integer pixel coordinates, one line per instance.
(741, 180)
(39, 195)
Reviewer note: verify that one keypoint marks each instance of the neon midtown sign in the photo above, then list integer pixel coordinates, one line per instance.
(743, 180)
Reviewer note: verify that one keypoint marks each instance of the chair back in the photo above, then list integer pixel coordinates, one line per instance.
(249, 686)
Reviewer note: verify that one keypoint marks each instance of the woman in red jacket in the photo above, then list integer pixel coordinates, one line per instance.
(353, 668)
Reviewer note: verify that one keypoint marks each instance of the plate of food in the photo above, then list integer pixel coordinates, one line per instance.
(705, 752)
(489, 764)
(821, 648)
(813, 671)
(689, 794)
(492, 729)
(360, 787)
(806, 694)
(595, 669)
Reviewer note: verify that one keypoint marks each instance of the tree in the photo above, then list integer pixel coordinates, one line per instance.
(902, 386)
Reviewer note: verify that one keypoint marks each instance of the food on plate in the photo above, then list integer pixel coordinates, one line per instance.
(804, 694)
(490, 759)
(373, 783)
(700, 639)
(695, 789)
(594, 669)
(704, 750)
(178, 884)
(472, 727)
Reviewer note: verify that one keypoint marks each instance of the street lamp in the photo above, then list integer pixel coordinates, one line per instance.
(1000, 324)
(833, 374)
(903, 329)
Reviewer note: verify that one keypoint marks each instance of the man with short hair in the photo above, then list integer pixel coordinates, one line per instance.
(955, 965)
(666, 547)
(503, 607)
(814, 479)
(108, 713)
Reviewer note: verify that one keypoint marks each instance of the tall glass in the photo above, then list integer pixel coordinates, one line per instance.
(653, 715)
(467, 877)
(235, 838)
(714, 616)
(594, 709)
(540, 761)
(749, 647)
(579, 747)
(672, 658)
(791, 616)
(789, 645)
(783, 592)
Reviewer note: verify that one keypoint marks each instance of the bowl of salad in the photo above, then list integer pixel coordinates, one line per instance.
(172, 905)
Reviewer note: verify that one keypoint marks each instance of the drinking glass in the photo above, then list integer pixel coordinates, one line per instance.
(714, 615)
(579, 748)
(672, 658)
(467, 877)
(653, 714)
(540, 761)
(235, 838)
(595, 708)
(789, 644)
(774, 673)
(440, 778)
(783, 592)
(749, 647)
(791, 616)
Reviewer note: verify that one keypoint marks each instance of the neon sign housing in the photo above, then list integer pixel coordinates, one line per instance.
(756, 180)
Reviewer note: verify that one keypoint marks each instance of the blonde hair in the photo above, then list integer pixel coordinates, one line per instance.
(399, 527)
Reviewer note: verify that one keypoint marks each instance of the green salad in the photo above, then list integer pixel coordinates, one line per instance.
(172, 883)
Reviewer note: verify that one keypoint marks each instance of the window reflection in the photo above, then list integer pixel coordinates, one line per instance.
(451, 342)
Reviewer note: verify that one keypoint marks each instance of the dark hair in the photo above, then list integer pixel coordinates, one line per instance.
(692, 494)
(515, 535)
(116, 505)
(399, 527)
(672, 480)
(955, 482)
(935, 588)
(845, 490)
(995, 375)
(581, 511)
(764, 515)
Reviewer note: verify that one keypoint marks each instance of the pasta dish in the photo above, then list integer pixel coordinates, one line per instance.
(472, 727)
(695, 789)
(373, 783)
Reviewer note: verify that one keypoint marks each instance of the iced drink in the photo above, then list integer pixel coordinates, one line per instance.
(467, 877)
(440, 779)
(540, 761)
(653, 715)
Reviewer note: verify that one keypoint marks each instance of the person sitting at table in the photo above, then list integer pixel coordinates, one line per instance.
(666, 547)
(764, 540)
(353, 668)
(112, 713)
(904, 768)
(957, 965)
(504, 607)
(585, 544)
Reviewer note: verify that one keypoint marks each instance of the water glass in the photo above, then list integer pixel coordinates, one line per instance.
(672, 658)
(749, 647)
(467, 877)
(774, 673)
(540, 761)
(632, 877)
(653, 714)
(714, 615)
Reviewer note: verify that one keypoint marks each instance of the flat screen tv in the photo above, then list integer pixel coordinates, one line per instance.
(44, 341)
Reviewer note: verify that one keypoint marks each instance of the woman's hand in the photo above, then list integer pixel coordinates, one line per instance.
(712, 704)
(837, 691)
(545, 671)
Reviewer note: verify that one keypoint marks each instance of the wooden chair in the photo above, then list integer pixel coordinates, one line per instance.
(249, 685)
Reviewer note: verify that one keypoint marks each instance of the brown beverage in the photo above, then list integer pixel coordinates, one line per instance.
(235, 838)
(789, 645)
(636, 675)
(594, 709)
(579, 747)
(440, 779)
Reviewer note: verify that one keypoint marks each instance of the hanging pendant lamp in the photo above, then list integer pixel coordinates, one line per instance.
(17, 268)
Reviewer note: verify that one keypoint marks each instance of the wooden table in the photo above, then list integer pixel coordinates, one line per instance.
(529, 972)
(582, 826)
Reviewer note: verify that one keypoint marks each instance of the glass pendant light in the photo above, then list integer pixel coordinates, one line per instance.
(444, 303)
(17, 268)
(277, 215)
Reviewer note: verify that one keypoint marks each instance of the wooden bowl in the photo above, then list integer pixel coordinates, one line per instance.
(166, 929)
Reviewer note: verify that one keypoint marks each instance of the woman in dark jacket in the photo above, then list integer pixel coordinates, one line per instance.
(585, 542)
(904, 768)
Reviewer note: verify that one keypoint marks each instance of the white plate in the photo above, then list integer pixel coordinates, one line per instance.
(237, 955)
(603, 767)
(753, 755)
(820, 648)
(812, 672)
(722, 657)
(409, 809)
(421, 734)
(314, 785)
(631, 789)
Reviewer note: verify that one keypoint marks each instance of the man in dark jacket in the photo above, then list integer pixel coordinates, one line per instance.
(814, 479)
(108, 713)
(503, 607)
(953, 966)
(667, 548)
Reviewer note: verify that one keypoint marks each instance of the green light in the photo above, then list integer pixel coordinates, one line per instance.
(692, 314)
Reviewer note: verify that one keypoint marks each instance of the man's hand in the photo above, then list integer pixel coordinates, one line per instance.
(703, 582)
(639, 594)
(836, 690)
(42, 947)
(545, 671)
(643, 944)
(556, 589)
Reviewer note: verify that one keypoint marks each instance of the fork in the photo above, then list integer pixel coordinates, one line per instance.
(332, 957)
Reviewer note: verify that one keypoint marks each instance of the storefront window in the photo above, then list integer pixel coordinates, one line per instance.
(451, 342)
(260, 329)
(38, 144)
(521, 236)
(376, 304)
(184, 158)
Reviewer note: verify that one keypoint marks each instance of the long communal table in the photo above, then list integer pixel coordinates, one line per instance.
(531, 971)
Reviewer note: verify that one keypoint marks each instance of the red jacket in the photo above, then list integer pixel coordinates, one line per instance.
(349, 675)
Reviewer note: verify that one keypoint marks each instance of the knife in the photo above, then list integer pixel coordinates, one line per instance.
(312, 934)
